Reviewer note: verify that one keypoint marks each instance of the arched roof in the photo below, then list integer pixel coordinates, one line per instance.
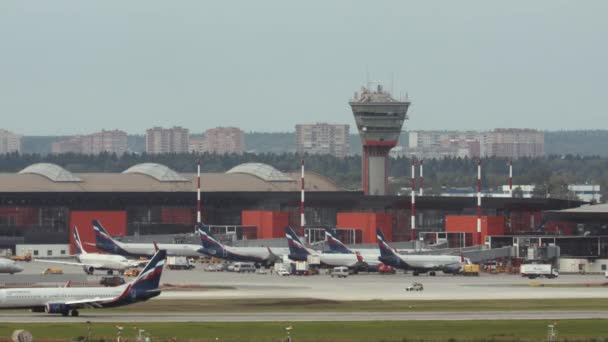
(262, 171)
(53, 172)
(157, 171)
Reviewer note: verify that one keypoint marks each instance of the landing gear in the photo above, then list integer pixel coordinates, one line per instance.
(65, 313)
(74, 313)
(415, 274)
(432, 273)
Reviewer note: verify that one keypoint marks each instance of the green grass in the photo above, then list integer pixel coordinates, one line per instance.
(316, 305)
(535, 330)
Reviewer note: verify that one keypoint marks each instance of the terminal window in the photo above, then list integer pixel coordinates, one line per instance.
(603, 267)
(36, 252)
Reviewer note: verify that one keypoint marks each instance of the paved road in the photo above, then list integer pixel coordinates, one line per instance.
(302, 316)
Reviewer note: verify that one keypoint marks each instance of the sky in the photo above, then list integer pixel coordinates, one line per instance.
(75, 67)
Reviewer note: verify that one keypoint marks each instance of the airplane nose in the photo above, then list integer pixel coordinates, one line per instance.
(17, 268)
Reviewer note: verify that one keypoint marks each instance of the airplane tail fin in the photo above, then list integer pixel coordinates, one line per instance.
(210, 244)
(104, 241)
(385, 248)
(149, 278)
(78, 242)
(297, 250)
(335, 245)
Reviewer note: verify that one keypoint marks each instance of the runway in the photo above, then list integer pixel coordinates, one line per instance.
(302, 316)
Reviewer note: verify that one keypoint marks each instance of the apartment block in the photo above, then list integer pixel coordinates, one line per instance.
(9, 142)
(513, 143)
(167, 140)
(443, 144)
(111, 141)
(323, 138)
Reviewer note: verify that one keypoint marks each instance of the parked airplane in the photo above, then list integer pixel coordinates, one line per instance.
(299, 252)
(336, 246)
(68, 300)
(105, 242)
(213, 247)
(9, 266)
(96, 261)
(369, 256)
(418, 263)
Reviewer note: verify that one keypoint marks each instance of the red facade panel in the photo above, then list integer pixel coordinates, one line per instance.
(115, 222)
(19, 216)
(490, 225)
(184, 216)
(271, 224)
(367, 223)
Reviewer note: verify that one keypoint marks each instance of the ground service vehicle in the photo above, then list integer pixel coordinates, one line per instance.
(131, 272)
(242, 267)
(415, 287)
(179, 263)
(112, 281)
(538, 270)
(340, 272)
(283, 273)
(52, 270)
(386, 269)
(470, 270)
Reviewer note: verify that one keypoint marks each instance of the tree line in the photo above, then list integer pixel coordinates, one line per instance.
(550, 174)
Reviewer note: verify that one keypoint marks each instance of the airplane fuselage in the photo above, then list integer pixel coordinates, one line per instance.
(9, 266)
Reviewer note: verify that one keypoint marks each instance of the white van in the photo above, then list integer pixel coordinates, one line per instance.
(340, 272)
(242, 267)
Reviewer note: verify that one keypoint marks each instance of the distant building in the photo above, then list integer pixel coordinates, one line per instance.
(513, 143)
(442, 144)
(221, 140)
(114, 141)
(323, 138)
(167, 140)
(587, 192)
(9, 142)
(197, 145)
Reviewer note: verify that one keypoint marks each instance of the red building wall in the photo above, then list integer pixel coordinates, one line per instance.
(490, 225)
(21, 216)
(115, 222)
(184, 216)
(367, 223)
(271, 224)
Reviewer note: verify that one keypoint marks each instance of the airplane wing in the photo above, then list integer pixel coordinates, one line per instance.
(71, 263)
(93, 303)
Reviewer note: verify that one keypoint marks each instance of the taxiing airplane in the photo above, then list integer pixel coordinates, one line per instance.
(68, 300)
(214, 248)
(418, 263)
(9, 266)
(96, 261)
(299, 252)
(105, 242)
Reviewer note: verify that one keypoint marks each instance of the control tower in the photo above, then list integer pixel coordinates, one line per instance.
(379, 119)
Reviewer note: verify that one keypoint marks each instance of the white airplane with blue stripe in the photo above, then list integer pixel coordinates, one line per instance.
(68, 300)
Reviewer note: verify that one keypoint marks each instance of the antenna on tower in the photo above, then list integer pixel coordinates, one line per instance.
(366, 76)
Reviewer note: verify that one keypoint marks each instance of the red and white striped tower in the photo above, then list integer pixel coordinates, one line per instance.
(302, 220)
(198, 192)
(413, 196)
(479, 200)
(511, 178)
(421, 177)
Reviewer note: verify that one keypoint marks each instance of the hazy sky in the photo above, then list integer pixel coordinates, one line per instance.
(78, 66)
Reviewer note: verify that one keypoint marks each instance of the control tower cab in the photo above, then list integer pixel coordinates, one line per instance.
(379, 118)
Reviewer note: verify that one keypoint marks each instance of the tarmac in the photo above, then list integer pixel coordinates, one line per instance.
(302, 316)
(228, 285)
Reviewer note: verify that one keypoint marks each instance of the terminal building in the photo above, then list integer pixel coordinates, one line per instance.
(43, 202)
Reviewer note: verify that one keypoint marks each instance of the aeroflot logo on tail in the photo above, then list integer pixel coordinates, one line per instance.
(153, 271)
(293, 242)
(102, 233)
